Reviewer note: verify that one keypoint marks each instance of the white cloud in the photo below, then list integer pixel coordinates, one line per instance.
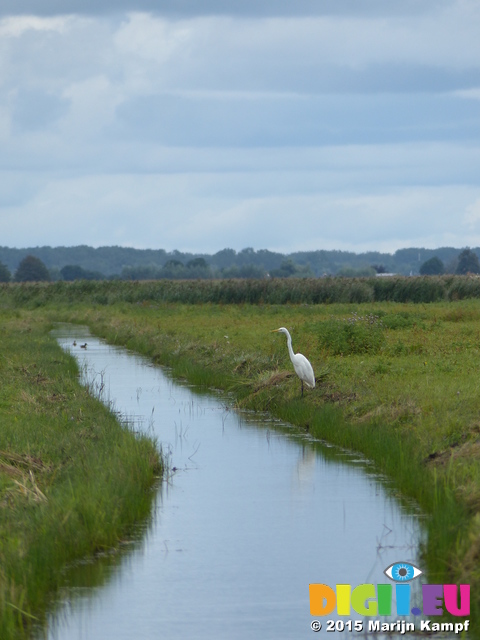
(16, 26)
(469, 94)
(151, 38)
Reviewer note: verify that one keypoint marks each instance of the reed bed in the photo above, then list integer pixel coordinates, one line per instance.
(330, 290)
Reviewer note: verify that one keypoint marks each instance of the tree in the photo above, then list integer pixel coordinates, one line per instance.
(32, 269)
(467, 262)
(197, 263)
(173, 269)
(361, 272)
(140, 273)
(245, 271)
(72, 272)
(198, 268)
(432, 267)
(5, 275)
(287, 269)
(173, 264)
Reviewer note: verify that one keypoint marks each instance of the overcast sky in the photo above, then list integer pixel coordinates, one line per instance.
(274, 124)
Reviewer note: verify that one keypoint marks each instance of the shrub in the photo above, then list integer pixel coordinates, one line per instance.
(353, 335)
(401, 320)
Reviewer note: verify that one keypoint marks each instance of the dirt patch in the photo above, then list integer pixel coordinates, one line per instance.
(395, 412)
(467, 451)
(20, 469)
(332, 394)
(273, 379)
(21, 461)
(336, 397)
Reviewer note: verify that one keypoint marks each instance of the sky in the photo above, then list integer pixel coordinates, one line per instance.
(199, 125)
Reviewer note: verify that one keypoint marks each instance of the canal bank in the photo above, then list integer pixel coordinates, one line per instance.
(416, 385)
(253, 511)
(73, 481)
(401, 411)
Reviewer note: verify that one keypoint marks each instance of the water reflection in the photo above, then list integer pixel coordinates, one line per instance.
(250, 515)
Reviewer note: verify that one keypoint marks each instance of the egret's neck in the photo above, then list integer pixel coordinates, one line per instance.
(289, 344)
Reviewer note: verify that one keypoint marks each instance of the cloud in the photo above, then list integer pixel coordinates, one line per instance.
(279, 125)
(314, 55)
(284, 212)
(221, 82)
(287, 121)
(195, 8)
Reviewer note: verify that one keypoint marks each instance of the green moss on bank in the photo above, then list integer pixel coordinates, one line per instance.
(73, 481)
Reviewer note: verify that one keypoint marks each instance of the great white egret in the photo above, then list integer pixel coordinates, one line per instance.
(302, 366)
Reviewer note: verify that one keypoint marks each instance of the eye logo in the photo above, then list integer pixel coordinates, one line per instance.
(402, 572)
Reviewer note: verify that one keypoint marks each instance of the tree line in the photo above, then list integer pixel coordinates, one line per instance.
(60, 264)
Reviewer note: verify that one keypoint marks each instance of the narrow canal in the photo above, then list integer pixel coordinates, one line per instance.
(251, 513)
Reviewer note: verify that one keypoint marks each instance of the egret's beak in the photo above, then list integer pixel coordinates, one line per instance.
(274, 330)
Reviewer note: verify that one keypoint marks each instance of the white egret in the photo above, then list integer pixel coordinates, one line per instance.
(302, 366)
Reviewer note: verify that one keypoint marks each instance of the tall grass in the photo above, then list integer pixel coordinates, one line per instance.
(355, 334)
(266, 291)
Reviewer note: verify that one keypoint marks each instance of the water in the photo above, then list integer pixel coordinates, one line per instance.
(251, 514)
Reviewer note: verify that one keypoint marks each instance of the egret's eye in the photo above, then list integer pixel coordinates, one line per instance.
(402, 572)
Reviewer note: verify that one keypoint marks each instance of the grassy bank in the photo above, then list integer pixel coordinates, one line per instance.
(397, 382)
(72, 480)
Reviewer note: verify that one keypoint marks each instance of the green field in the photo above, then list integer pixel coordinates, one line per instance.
(397, 381)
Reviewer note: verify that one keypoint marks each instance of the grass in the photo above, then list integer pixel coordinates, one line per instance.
(73, 481)
(396, 381)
